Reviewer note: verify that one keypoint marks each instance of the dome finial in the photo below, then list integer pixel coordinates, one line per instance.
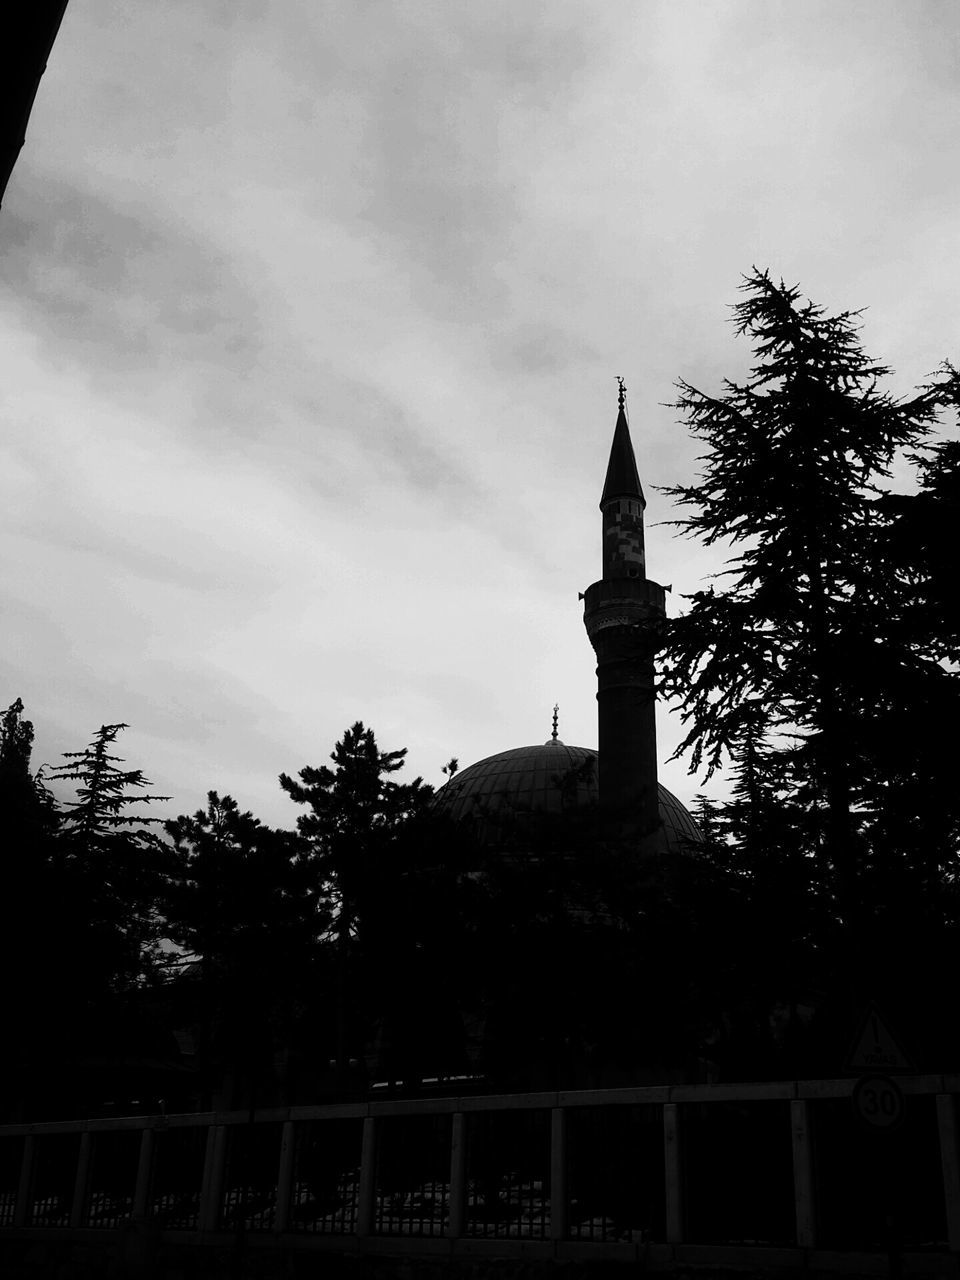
(556, 712)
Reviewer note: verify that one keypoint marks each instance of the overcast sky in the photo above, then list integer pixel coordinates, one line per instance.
(310, 322)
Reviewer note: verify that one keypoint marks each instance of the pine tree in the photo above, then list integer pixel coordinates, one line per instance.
(800, 631)
(919, 810)
(357, 812)
(83, 924)
(32, 924)
(239, 905)
(823, 661)
(112, 860)
(27, 807)
(104, 793)
(919, 542)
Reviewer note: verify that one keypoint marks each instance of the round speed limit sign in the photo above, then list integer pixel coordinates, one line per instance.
(878, 1102)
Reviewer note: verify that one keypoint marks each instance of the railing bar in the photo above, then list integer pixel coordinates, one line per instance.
(673, 1172)
(211, 1197)
(950, 1164)
(78, 1204)
(368, 1178)
(803, 1178)
(737, 1092)
(25, 1185)
(285, 1176)
(141, 1196)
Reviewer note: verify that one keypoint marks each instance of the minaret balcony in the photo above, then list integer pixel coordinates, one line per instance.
(622, 602)
(650, 596)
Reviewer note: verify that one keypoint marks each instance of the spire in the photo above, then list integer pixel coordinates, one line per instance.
(554, 739)
(623, 479)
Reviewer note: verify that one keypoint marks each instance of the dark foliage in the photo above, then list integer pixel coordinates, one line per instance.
(357, 813)
(112, 861)
(242, 906)
(82, 921)
(822, 663)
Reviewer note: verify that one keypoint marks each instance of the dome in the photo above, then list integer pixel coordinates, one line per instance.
(552, 778)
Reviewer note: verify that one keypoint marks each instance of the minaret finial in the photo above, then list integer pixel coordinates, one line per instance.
(623, 391)
(556, 712)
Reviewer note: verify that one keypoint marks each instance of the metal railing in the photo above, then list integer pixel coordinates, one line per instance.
(781, 1166)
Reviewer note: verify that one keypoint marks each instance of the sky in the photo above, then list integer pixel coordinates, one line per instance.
(311, 313)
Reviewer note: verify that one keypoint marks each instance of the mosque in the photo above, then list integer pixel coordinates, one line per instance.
(624, 613)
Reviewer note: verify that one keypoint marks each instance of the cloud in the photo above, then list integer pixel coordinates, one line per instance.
(311, 320)
(118, 286)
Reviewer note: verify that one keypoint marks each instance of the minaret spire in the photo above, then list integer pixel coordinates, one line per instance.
(623, 479)
(623, 613)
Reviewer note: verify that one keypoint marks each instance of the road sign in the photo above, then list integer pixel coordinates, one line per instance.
(876, 1048)
(878, 1102)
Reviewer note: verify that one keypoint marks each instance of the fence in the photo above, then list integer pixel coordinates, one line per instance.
(750, 1173)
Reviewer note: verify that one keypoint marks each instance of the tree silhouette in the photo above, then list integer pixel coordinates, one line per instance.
(28, 808)
(113, 858)
(31, 918)
(800, 636)
(823, 658)
(239, 904)
(356, 814)
(82, 919)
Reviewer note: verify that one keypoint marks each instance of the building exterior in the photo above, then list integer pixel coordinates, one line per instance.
(624, 613)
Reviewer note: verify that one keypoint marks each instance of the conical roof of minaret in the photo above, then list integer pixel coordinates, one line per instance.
(623, 479)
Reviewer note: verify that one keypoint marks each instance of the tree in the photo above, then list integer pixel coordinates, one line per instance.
(921, 810)
(28, 808)
(821, 659)
(31, 923)
(919, 536)
(104, 793)
(82, 924)
(804, 631)
(239, 905)
(357, 812)
(112, 859)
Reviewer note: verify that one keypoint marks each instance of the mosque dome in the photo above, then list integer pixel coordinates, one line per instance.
(551, 779)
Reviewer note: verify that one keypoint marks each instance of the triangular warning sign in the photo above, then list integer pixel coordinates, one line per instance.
(875, 1048)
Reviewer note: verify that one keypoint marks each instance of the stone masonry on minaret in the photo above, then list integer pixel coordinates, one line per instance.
(623, 614)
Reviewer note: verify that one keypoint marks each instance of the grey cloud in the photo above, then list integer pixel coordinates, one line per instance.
(117, 285)
(450, 127)
(397, 449)
(533, 349)
(210, 572)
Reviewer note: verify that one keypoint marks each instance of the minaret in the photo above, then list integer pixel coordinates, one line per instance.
(623, 614)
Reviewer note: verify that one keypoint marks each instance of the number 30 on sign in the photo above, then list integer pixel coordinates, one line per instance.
(878, 1102)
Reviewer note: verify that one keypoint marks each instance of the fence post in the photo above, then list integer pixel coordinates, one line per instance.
(558, 1173)
(79, 1202)
(285, 1177)
(368, 1177)
(803, 1185)
(141, 1196)
(673, 1171)
(950, 1164)
(24, 1186)
(211, 1193)
(458, 1175)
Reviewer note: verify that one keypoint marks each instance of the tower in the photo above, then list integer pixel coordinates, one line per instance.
(623, 614)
